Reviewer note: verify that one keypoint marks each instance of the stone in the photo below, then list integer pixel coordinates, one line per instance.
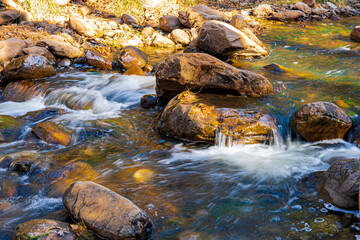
(318, 11)
(105, 212)
(129, 20)
(135, 70)
(237, 21)
(223, 40)
(40, 51)
(8, 16)
(149, 101)
(197, 15)
(339, 185)
(85, 10)
(10, 128)
(180, 36)
(11, 48)
(147, 31)
(60, 49)
(263, 10)
(23, 164)
(302, 7)
(29, 67)
(182, 18)
(330, 5)
(96, 60)
(25, 17)
(187, 116)
(169, 23)
(52, 133)
(205, 73)
(162, 42)
(355, 34)
(71, 99)
(21, 91)
(47, 113)
(320, 121)
(62, 2)
(287, 15)
(129, 56)
(43, 229)
(83, 27)
(310, 3)
(65, 63)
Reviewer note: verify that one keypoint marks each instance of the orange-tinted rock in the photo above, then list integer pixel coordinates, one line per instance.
(129, 56)
(287, 15)
(82, 27)
(52, 133)
(21, 91)
(237, 21)
(355, 34)
(96, 60)
(197, 15)
(11, 48)
(302, 7)
(263, 10)
(320, 121)
(202, 72)
(169, 23)
(59, 48)
(135, 70)
(8, 16)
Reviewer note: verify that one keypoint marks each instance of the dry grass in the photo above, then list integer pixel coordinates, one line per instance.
(40, 6)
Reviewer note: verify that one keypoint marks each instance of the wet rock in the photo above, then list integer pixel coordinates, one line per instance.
(263, 10)
(287, 15)
(43, 229)
(129, 20)
(72, 99)
(339, 185)
(197, 15)
(8, 16)
(11, 48)
(21, 91)
(40, 51)
(149, 101)
(52, 133)
(129, 56)
(96, 60)
(135, 70)
(187, 117)
(310, 3)
(60, 49)
(347, 219)
(302, 7)
(46, 113)
(355, 34)
(119, 218)
(83, 27)
(29, 67)
(65, 63)
(320, 121)
(237, 21)
(180, 36)
(222, 39)
(148, 68)
(202, 72)
(169, 23)
(275, 68)
(10, 128)
(162, 42)
(182, 18)
(23, 164)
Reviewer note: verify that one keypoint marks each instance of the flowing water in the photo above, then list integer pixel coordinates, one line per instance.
(195, 190)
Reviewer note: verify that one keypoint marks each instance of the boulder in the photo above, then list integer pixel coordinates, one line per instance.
(105, 212)
(161, 41)
(318, 11)
(339, 185)
(47, 113)
(40, 51)
(169, 23)
(149, 101)
(320, 121)
(310, 3)
(21, 91)
(10, 128)
(197, 15)
(29, 67)
(302, 7)
(355, 34)
(180, 36)
(8, 16)
(223, 40)
(96, 60)
(287, 15)
(205, 73)
(263, 10)
(71, 99)
(52, 133)
(83, 27)
(43, 229)
(135, 70)
(129, 56)
(11, 48)
(187, 116)
(60, 49)
(237, 21)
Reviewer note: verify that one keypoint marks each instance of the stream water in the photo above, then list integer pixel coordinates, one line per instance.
(196, 190)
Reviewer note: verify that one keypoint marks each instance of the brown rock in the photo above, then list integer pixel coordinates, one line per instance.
(186, 116)
(320, 121)
(202, 72)
(135, 70)
(52, 133)
(197, 15)
(105, 212)
(355, 34)
(318, 11)
(287, 15)
(263, 10)
(29, 67)
(60, 49)
(147, 31)
(182, 18)
(180, 36)
(21, 91)
(11, 48)
(169, 23)
(162, 42)
(43, 229)
(237, 21)
(129, 56)
(72, 99)
(83, 27)
(65, 63)
(128, 19)
(310, 3)
(149, 101)
(302, 7)
(85, 10)
(8, 16)
(40, 51)
(96, 60)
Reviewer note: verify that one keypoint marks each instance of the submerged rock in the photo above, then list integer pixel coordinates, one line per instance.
(43, 229)
(169, 23)
(202, 72)
(10, 128)
(105, 212)
(11, 48)
(52, 133)
(197, 15)
(21, 91)
(320, 121)
(355, 34)
(8, 16)
(188, 117)
(129, 56)
(60, 49)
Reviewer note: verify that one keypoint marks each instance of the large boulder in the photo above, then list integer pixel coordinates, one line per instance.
(40, 51)
(287, 15)
(223, 40)
(11, 48)
(320, 121)
(21, 91)
(187, 116)
(339, 185)
(129, 56)
(8, 16)
(83, 27)
(60, 49)
(29, 67)
(302, 7)
(205, 73)
(169, 23)
(105, 212)
(197, 15)
(43, 229)
(52, 133)
(355, 34)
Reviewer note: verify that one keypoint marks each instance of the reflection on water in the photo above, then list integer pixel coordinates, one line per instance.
(194, 190)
